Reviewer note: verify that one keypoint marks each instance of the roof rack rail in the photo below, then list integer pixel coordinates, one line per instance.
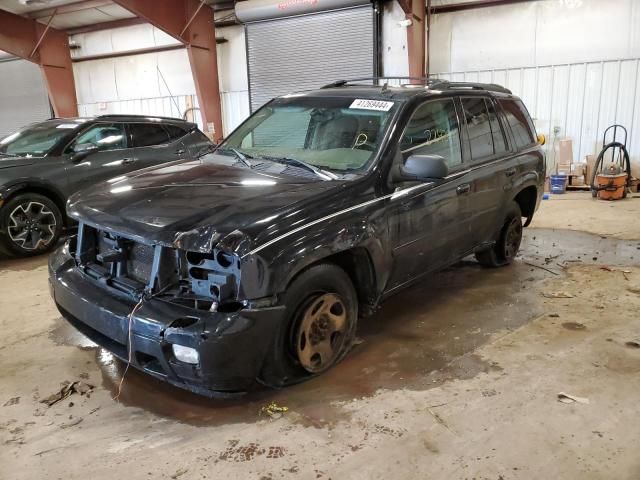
(430, 82)
(125, 115)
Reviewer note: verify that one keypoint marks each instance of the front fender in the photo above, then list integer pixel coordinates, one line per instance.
(268, 272)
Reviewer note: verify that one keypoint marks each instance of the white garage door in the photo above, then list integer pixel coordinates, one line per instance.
(308, 51)
(23, 96)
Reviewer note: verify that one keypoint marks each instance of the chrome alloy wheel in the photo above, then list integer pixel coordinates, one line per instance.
(32, 225)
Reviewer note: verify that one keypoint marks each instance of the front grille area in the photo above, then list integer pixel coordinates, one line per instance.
(139, 262)
(203, 281)
(125, 264)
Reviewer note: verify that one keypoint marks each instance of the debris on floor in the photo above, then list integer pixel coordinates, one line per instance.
(12, 401)
(557, 295)
(633, 344)
(67, 389)
(566, 398)
(179, 473)
(274, 410)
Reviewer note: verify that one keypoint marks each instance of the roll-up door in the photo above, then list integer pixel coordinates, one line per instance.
(23, 96)
(307, 51)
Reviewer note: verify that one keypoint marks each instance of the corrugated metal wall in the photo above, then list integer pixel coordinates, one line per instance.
(23, 96)
(581, 99)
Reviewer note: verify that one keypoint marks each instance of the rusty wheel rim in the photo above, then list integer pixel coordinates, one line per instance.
(321, 332)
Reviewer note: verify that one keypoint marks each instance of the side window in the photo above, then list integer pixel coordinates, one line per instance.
(106, 136)
(520, 122)
(486, 137)
(476, 117)
(175, 132)
(148, 134)
(433, 130)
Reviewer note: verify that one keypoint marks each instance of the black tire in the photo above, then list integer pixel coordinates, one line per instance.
(508, 240)
(283, 364)
(35, 215)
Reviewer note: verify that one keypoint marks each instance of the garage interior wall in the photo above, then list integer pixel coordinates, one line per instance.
(23, 96)
(575, 64)
(158, 83)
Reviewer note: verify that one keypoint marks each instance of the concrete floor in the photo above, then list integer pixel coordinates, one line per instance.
(456, 378)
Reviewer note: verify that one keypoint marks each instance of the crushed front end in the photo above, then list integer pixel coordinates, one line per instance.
(177, 315)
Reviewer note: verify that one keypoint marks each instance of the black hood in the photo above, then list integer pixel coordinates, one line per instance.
(196, 204)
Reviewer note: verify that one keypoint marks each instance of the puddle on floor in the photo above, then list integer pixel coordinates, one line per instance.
(419, 338)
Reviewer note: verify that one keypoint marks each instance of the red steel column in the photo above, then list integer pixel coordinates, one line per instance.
(20, 37)
(190, 22)
(415, 11)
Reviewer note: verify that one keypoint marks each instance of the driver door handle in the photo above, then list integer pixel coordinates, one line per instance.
(180, 151)
(463, 189)
(511, 172)
(127, 161)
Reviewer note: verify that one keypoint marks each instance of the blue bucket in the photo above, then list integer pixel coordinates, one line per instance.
(558, 183)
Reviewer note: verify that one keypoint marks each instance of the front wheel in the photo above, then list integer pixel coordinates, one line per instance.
(322, 311)
(508, 242)
(31, 224)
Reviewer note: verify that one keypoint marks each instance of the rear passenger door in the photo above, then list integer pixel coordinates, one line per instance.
(491, 170)
(153, 145)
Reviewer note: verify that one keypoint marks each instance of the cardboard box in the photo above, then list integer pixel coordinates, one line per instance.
(591, 161)
(577, 180)
(565, 151)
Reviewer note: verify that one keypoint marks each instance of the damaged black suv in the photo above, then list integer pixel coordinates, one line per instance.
(252, 264)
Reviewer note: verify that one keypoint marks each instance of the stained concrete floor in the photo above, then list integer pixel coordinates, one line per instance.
(455, 378)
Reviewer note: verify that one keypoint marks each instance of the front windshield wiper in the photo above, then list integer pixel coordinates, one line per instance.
(243, 157)
(301, 163)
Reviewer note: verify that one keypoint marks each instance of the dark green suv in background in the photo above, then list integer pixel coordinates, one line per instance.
(42, 164)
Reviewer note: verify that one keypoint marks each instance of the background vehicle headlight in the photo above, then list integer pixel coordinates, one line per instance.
(186, 354)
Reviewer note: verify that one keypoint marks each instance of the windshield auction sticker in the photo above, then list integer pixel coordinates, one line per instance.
(378, 105)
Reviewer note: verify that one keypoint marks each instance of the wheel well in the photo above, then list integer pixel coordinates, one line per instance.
(357, 264)
(45, 192)
(526, 199)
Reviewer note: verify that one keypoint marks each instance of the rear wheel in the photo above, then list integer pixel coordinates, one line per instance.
(322, 309)
(508, 242)
(31, 224)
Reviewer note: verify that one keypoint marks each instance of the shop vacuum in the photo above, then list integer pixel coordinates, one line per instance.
(611, 178)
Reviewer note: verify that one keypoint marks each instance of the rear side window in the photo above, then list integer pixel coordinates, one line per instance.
(175, 132)
(520, 122)
(483, 128)
(433, 130)
(148, 134)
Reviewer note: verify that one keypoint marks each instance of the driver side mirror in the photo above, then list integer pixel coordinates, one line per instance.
(424, 167)
(82, 151)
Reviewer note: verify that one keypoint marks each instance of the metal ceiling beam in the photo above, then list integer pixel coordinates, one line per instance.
(415, 11)
(68, 8)
(188, 22)
(49, 48)
(458, 7)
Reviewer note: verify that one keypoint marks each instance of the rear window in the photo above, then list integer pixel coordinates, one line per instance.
(148, 134)
(520, 121)
(175, 132)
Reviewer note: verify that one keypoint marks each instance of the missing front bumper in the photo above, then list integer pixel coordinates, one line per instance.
(231, 346)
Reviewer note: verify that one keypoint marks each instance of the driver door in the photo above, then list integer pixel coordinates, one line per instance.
(425, 224)
(112, 158)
